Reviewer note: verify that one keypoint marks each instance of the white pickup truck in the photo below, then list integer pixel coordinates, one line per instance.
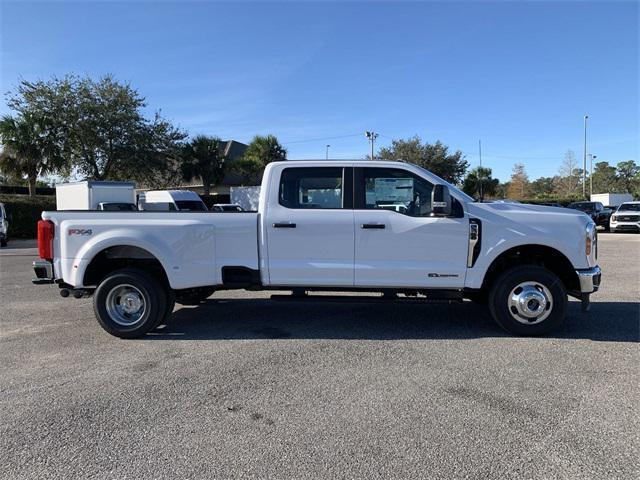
(369, 226)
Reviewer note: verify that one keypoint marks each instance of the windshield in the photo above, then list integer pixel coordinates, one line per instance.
(191, 206)
(629, 207)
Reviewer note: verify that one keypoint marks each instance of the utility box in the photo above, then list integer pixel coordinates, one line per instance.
(612, 199)
(88, 195)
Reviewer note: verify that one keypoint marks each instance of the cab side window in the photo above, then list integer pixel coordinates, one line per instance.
(397, 190)
(311, 188)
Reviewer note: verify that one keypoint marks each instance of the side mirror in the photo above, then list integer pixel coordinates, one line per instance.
(440, 201)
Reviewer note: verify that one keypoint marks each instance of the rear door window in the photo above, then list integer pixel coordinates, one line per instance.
(311, 188)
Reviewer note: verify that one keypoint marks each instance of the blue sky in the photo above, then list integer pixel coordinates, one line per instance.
(519, 76)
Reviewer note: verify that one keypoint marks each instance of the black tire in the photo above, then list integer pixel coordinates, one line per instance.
(171, 303)
(194, 296)
(144, 288)
(3, 242)
(534, 278)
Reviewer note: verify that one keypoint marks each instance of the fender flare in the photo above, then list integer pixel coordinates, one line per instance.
(115, 238)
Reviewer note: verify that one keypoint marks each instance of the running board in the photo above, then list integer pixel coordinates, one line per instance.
(362, 299)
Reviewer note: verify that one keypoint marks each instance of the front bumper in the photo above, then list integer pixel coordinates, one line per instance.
(44, 272)
(625, 226)
(589, 279)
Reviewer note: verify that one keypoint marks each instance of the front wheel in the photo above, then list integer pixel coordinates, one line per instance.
(129, 302)
(528, 300)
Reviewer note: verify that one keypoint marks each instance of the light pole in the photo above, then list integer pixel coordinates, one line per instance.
(591, 157)
(372, 139)
(327, 154)
(480, 176)
(584, 160)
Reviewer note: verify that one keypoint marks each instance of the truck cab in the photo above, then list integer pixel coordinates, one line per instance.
(328, 226)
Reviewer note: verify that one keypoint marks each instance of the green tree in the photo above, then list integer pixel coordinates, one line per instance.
(98, 127)
(480, 183)
(434, 157)
(262, 150)
(543, 187)
(604, 178)
(628, 176)
(25, 152)
(203, 158)
(519, 187)
(265, 149)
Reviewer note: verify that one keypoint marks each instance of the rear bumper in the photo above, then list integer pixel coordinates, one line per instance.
(43, 270)
(589, 279)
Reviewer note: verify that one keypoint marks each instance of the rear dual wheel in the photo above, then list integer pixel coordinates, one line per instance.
(129, 303)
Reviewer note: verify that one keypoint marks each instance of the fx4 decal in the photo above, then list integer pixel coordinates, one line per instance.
(80, 231)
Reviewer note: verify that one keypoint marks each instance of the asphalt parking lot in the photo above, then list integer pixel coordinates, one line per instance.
(244, 387)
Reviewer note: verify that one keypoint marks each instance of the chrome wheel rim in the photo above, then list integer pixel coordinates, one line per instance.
(126, 305)
(530, 303)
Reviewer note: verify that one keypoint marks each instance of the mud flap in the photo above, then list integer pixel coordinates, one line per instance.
(585, 302)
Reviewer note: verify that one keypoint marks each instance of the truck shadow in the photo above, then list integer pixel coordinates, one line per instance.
(252, 319)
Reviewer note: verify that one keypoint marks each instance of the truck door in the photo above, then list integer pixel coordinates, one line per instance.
(310, 229)
(397, 241)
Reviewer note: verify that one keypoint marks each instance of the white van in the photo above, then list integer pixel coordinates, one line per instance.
(171, 201)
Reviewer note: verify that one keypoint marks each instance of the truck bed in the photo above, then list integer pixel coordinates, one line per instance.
(193, 247)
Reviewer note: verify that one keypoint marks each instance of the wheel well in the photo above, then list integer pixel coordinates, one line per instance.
(122, 256)
(541, 255)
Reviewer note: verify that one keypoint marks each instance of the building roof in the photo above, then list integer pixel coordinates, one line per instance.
(233, 149)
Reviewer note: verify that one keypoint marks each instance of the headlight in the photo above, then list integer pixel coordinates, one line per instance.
(614, 218)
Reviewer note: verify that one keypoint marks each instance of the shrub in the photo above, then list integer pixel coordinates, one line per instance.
(25, 211)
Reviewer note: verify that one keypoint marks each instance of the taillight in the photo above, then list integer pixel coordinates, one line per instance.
(46, 231)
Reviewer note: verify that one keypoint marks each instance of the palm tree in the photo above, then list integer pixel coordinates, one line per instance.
(265, 149)
(203, 158)
(479, 182)
(261, 151)
(22, 154)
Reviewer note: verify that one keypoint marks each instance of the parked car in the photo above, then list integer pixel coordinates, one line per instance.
(320, 226)
(227, 208)
(626, 218)
(117, 207)
(598, 213)
(4, 226)
(171, 201)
